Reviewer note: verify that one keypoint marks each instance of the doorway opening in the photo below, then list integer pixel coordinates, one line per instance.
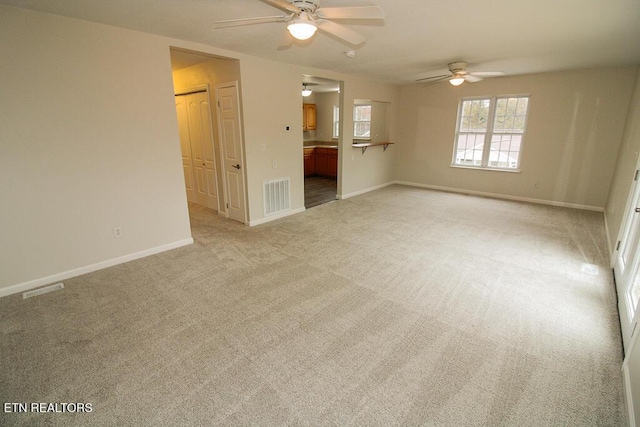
(211, 141)
(321, 139)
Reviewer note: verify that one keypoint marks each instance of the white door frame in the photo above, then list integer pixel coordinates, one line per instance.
(233, 84)
(625, 272)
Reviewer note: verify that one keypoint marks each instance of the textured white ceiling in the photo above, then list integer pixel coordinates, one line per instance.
(416, 39)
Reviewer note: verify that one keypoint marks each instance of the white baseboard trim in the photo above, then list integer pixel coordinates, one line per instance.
(626, 383)
(607, 235)
(31, 284)
(275, 216)
(366, 190)
(502, 196)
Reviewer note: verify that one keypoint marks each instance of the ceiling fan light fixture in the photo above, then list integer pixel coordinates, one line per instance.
(456, 80)
(306, 91)
(302, 28)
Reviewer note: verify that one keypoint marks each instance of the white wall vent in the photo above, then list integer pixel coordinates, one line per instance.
(44, 290)
(276, 196)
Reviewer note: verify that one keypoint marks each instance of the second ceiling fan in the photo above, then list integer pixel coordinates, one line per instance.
(304, 17)
(459, 74)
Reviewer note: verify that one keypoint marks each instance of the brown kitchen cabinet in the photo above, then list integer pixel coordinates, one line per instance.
(332, 164)
(309, 162)
(321, 162)
(322, 158)
(309, 117)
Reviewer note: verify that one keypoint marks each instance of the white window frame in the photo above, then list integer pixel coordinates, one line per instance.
(489, 133)
(355, 121)
(336, 122)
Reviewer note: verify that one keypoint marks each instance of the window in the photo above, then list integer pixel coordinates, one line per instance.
(336, 121)
(489, 132)
(362, 121)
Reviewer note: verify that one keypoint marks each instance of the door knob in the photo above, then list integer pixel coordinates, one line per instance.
(236, 166)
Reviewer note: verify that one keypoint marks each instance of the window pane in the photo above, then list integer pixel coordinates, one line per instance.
(473, 115)
(362, 129)
(510, 115)
(521, 110)
(505, 151)
(362, 121)
(469, 149)
(362, 112)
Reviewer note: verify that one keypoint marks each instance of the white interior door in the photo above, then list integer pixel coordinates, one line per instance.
(232, 152)
(185, 148)
(626, 266)
(197, 145)
(201, 134)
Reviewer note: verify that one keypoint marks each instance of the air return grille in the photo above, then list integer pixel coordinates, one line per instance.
(276, 196)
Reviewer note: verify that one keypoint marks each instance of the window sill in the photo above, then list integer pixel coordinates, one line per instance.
(486, 169)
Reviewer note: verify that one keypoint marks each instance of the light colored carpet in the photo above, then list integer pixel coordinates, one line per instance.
(399, 307)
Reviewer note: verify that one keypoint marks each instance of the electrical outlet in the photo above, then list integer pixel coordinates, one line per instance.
(264, 147)
(536, 185)
(274, 164)
(117, 232)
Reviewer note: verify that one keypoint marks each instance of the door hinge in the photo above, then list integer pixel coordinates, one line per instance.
(618, 245)
(227, 205)
(635, 178)
(218, 103)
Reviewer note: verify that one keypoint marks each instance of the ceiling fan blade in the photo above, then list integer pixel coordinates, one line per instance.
(487, 73)
(284, 5)
(357, 12)
(443, 76)
(471, 78)
(248, 21)
(432, 82)
(341, 32)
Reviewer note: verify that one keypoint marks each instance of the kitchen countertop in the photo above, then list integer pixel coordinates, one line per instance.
(320, 145)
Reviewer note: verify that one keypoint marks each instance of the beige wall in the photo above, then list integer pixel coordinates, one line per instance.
(271, 101)
(570, 147)
(89, 142)
(362, 172)
(212, 72)
(324, 108)
(625, 169)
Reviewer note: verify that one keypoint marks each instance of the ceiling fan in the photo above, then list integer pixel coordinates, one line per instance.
(304, 17)
(459, 74)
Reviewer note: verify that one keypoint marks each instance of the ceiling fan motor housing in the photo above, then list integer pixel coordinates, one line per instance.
(459, 67)
(308, 6)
